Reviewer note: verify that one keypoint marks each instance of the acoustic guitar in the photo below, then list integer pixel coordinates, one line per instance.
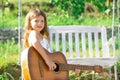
(34, 67)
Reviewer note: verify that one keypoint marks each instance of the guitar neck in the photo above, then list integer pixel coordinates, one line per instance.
(73, 67)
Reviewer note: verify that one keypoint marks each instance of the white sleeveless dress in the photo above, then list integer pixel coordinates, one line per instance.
(46, 45)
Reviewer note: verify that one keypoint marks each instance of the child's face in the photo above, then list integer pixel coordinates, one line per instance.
(38, 23)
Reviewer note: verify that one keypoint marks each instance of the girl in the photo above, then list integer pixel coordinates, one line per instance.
(36, 35)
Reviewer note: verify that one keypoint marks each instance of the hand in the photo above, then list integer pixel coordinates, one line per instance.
(51, 64)
(77, 71)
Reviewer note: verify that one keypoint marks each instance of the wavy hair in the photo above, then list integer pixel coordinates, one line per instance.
(33, 13)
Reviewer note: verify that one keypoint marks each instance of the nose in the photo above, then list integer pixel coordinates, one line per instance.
(39, 22)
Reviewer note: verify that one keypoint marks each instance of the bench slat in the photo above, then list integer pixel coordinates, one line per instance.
(70, 45)
(96, 45)
(83, 45)
(77, 45)
(57, 41)
(64, 43)
(90, 44)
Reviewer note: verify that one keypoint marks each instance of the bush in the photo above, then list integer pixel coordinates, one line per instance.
(73, 7)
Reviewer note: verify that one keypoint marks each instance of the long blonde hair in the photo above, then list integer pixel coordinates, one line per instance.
(33, 13)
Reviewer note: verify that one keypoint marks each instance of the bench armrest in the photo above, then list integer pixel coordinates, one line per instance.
(111, 41)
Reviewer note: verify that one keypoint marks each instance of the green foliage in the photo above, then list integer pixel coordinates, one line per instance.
(6, 76)
(65, 13)
(118, 66)
(87, 75)
(100, 4)
(64, 19)
(9, 47)
(3, 77)
(73, 7)
(8, 52)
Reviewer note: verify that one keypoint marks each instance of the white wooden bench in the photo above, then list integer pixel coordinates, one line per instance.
(84, 45)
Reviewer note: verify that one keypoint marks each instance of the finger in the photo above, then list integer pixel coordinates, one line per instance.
(51, 68)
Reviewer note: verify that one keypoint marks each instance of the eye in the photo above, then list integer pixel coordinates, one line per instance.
(42, 20)
(36, 21)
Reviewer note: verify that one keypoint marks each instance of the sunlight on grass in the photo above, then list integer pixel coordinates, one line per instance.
(87, 75)
(30, 1)
(6, 59)
(117, 53)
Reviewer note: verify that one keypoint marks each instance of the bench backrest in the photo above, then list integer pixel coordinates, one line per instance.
(79, 41)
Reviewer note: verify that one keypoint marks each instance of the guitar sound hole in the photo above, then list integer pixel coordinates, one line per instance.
(57, 68)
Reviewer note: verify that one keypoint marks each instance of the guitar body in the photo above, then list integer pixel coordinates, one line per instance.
(35, 68)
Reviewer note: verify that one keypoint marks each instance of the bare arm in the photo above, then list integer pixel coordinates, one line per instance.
(34, 40)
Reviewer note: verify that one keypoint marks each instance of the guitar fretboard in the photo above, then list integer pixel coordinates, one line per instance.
(73, 67)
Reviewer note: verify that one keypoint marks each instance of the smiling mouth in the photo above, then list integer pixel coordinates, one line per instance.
(39, 26)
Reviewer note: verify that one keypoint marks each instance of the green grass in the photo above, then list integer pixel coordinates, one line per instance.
(64, 19)
(8, 52)
(15, 1)
(57, 19)
(54, 16)
(87, 75)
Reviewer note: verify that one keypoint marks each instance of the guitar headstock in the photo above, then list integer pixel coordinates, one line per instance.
(98, 69)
